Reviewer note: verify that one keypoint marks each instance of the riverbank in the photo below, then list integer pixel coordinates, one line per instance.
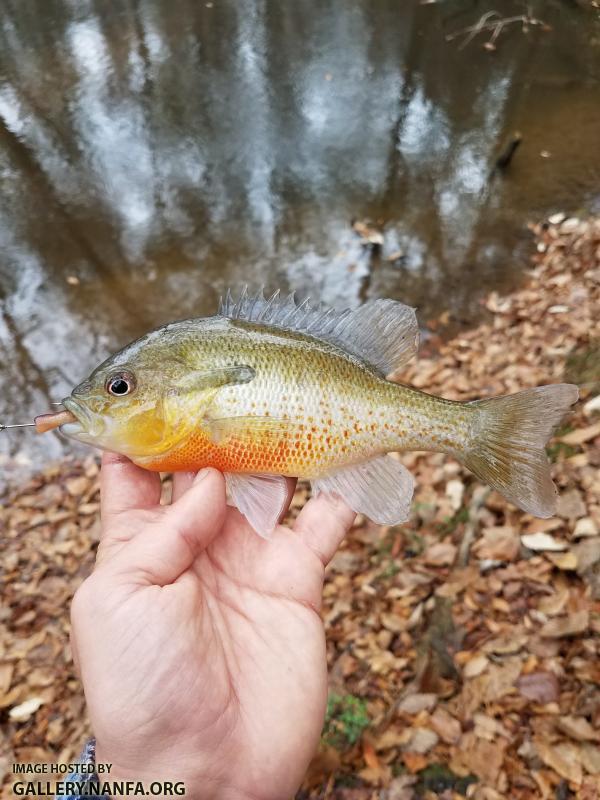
(463, 646)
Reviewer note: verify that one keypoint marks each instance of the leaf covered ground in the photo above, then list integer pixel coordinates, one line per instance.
(463, 647)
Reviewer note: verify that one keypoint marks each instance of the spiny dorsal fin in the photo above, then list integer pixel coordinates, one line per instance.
(383, 333)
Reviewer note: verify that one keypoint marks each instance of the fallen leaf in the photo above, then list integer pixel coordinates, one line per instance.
(587, 553)
(556, 219)
(541, 687)
(592, 406)
(6, 673)
(376, 777)
(553, 604)
(370, 756)
(383, 662)
(475, 666)
(395, 256)
(544, 525)
(77, 486)
(440, 554)
(562, 758)
(569, 225)
(401, 788)
(585, 526)
(499, 679)
(32, 754)
(369, 234)
(571, 625)
(499, 543)
(455, 490)
(23, 711)
(570, 505)
(40, 676)
(486, 727)
(422, 740)
(542, 541)
(414, 762)
(578, 728)
(481, 757)
(415, 703)
(590, 758)
(10, 697)
(509, 643)
(565, 561)
(392, 622)
(458, 581)
(581, 435)
(445, 725)
(391, 738)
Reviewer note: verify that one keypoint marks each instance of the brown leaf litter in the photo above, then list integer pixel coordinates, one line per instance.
(467, 639)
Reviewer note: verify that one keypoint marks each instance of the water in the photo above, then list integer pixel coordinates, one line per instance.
(154, 152)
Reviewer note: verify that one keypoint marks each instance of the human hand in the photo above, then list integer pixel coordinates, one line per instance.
(200, 645)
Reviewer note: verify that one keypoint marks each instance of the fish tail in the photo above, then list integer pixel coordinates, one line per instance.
(506, 447)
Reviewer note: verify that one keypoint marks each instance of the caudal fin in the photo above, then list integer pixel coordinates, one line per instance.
(507, 449)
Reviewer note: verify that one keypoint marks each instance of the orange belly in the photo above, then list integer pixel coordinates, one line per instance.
(198, 452)
(296, 455)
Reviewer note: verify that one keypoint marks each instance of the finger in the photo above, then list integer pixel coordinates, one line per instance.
(162, 553)
(182, 481)
(323, 523)
(126, 487)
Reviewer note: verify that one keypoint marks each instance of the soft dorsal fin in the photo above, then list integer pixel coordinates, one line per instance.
(383, 333)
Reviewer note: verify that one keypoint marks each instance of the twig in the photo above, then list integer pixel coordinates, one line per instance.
(502, 162)
(506, 156)
(473, 30)
(462, 557)
(493, 21)
(384, 722)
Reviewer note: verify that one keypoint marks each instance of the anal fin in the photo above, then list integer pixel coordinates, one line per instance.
(381, 489)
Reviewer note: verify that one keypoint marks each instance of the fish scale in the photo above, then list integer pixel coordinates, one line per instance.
(339, 411)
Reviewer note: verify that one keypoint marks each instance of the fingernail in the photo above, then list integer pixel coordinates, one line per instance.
(201, 474)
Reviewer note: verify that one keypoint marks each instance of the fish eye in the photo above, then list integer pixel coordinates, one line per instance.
(120, 384)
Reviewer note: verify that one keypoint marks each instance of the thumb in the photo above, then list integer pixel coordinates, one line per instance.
(170, 546)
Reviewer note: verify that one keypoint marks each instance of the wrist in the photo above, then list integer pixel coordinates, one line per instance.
(183, 773)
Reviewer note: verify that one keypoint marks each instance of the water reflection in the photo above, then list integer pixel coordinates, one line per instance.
(153, 152)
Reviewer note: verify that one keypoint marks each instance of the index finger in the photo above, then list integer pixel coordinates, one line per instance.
(126, 487)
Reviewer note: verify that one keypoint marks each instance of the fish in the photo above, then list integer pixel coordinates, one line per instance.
(269, 388)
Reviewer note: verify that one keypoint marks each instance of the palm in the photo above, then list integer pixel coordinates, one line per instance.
(227, 659)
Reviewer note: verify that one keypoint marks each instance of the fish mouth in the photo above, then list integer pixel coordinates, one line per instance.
(85, 422)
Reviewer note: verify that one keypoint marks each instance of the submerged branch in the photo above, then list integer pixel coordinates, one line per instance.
(493, 21)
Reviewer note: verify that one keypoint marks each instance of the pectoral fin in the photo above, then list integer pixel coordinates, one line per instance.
(260, 498)
(203, 380)
(381, 489)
